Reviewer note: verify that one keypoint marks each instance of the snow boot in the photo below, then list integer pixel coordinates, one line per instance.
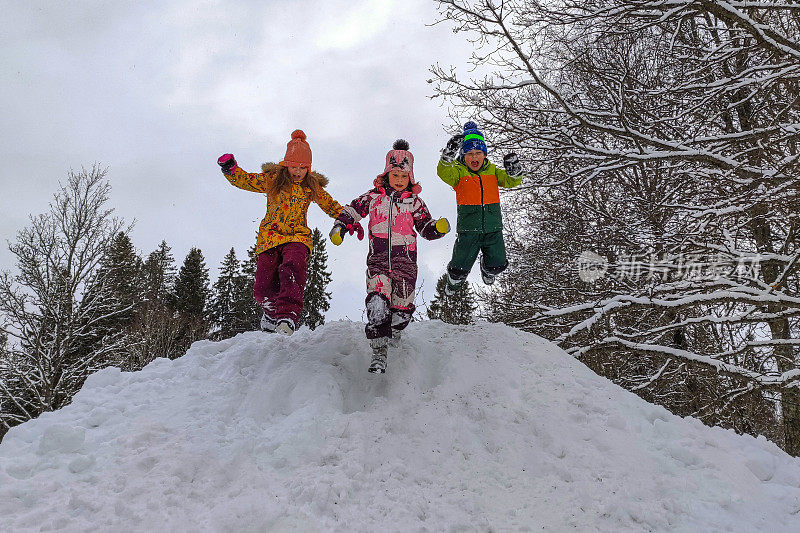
(394, 342)
(487, 278)
(285, 326)
(380, 349)
(268, 324)
(452, 285)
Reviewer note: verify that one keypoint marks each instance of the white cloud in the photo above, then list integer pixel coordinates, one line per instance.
(346, 25)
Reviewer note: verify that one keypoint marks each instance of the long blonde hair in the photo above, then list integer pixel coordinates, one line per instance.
(283, 181)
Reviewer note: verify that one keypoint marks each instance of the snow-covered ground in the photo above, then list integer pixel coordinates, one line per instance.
(481, 428)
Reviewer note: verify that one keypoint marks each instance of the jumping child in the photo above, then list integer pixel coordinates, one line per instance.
(479, 227)
(395, 211)
(284, 238)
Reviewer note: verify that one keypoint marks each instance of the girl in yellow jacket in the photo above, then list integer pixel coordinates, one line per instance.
(284, 238)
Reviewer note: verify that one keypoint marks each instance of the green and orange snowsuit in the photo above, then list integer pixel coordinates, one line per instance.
(480, 223)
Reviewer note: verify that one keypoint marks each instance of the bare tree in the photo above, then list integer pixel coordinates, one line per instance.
(661, 135)
(42, 307)
(155, 332)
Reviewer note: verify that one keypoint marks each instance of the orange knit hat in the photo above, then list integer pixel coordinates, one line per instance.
(298, 152)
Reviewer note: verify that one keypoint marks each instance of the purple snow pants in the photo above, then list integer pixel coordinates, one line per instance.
(281, 279)
(390, 293)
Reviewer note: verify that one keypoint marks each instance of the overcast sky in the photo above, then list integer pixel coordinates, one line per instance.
(156, 91)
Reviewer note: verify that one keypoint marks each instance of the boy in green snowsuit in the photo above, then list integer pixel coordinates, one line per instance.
(480, 224)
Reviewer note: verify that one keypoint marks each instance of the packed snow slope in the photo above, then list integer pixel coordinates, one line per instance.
(481, 428)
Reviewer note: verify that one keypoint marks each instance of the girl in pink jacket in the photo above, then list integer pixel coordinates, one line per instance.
(396, 214)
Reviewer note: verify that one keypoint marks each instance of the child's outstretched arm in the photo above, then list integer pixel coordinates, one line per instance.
(355, 210)
(426, 226)
(326, 202)
(449, 172)
(254, 182)
(448, 167)
(348, 219)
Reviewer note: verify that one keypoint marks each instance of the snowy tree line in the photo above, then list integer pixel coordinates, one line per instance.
(83, 299)
(662, 137)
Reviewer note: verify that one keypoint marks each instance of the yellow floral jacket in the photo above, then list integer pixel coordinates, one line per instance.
(285, 220)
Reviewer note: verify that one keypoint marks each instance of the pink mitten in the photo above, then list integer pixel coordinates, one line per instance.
(357, 228)
(227, 163)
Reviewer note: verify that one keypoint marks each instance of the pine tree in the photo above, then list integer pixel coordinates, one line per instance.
(192, 294)
(157, 330)
(120, 269)
(315, 299)
(113, 289)
(456, 309)
(159, 275)
(231, 301)
(192, 285)
(251, 308)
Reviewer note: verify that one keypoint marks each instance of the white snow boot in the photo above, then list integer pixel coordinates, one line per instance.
(380, 349)
(285, 326)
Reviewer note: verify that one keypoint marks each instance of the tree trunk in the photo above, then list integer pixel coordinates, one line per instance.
(784, 353)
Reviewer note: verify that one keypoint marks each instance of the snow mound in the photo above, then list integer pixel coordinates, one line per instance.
(472, 428)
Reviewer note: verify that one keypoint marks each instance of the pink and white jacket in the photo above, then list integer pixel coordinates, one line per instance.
(395, 218)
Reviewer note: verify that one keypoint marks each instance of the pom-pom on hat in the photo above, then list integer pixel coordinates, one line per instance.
(399, 157)
(298, 152)
(473, 138)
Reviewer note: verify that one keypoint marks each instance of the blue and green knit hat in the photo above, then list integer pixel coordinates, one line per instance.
(473, 138)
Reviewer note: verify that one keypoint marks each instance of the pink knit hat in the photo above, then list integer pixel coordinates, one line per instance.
(399, 157)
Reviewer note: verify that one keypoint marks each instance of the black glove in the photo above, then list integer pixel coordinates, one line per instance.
(227, 163)
(451, 150)
(512, 165)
